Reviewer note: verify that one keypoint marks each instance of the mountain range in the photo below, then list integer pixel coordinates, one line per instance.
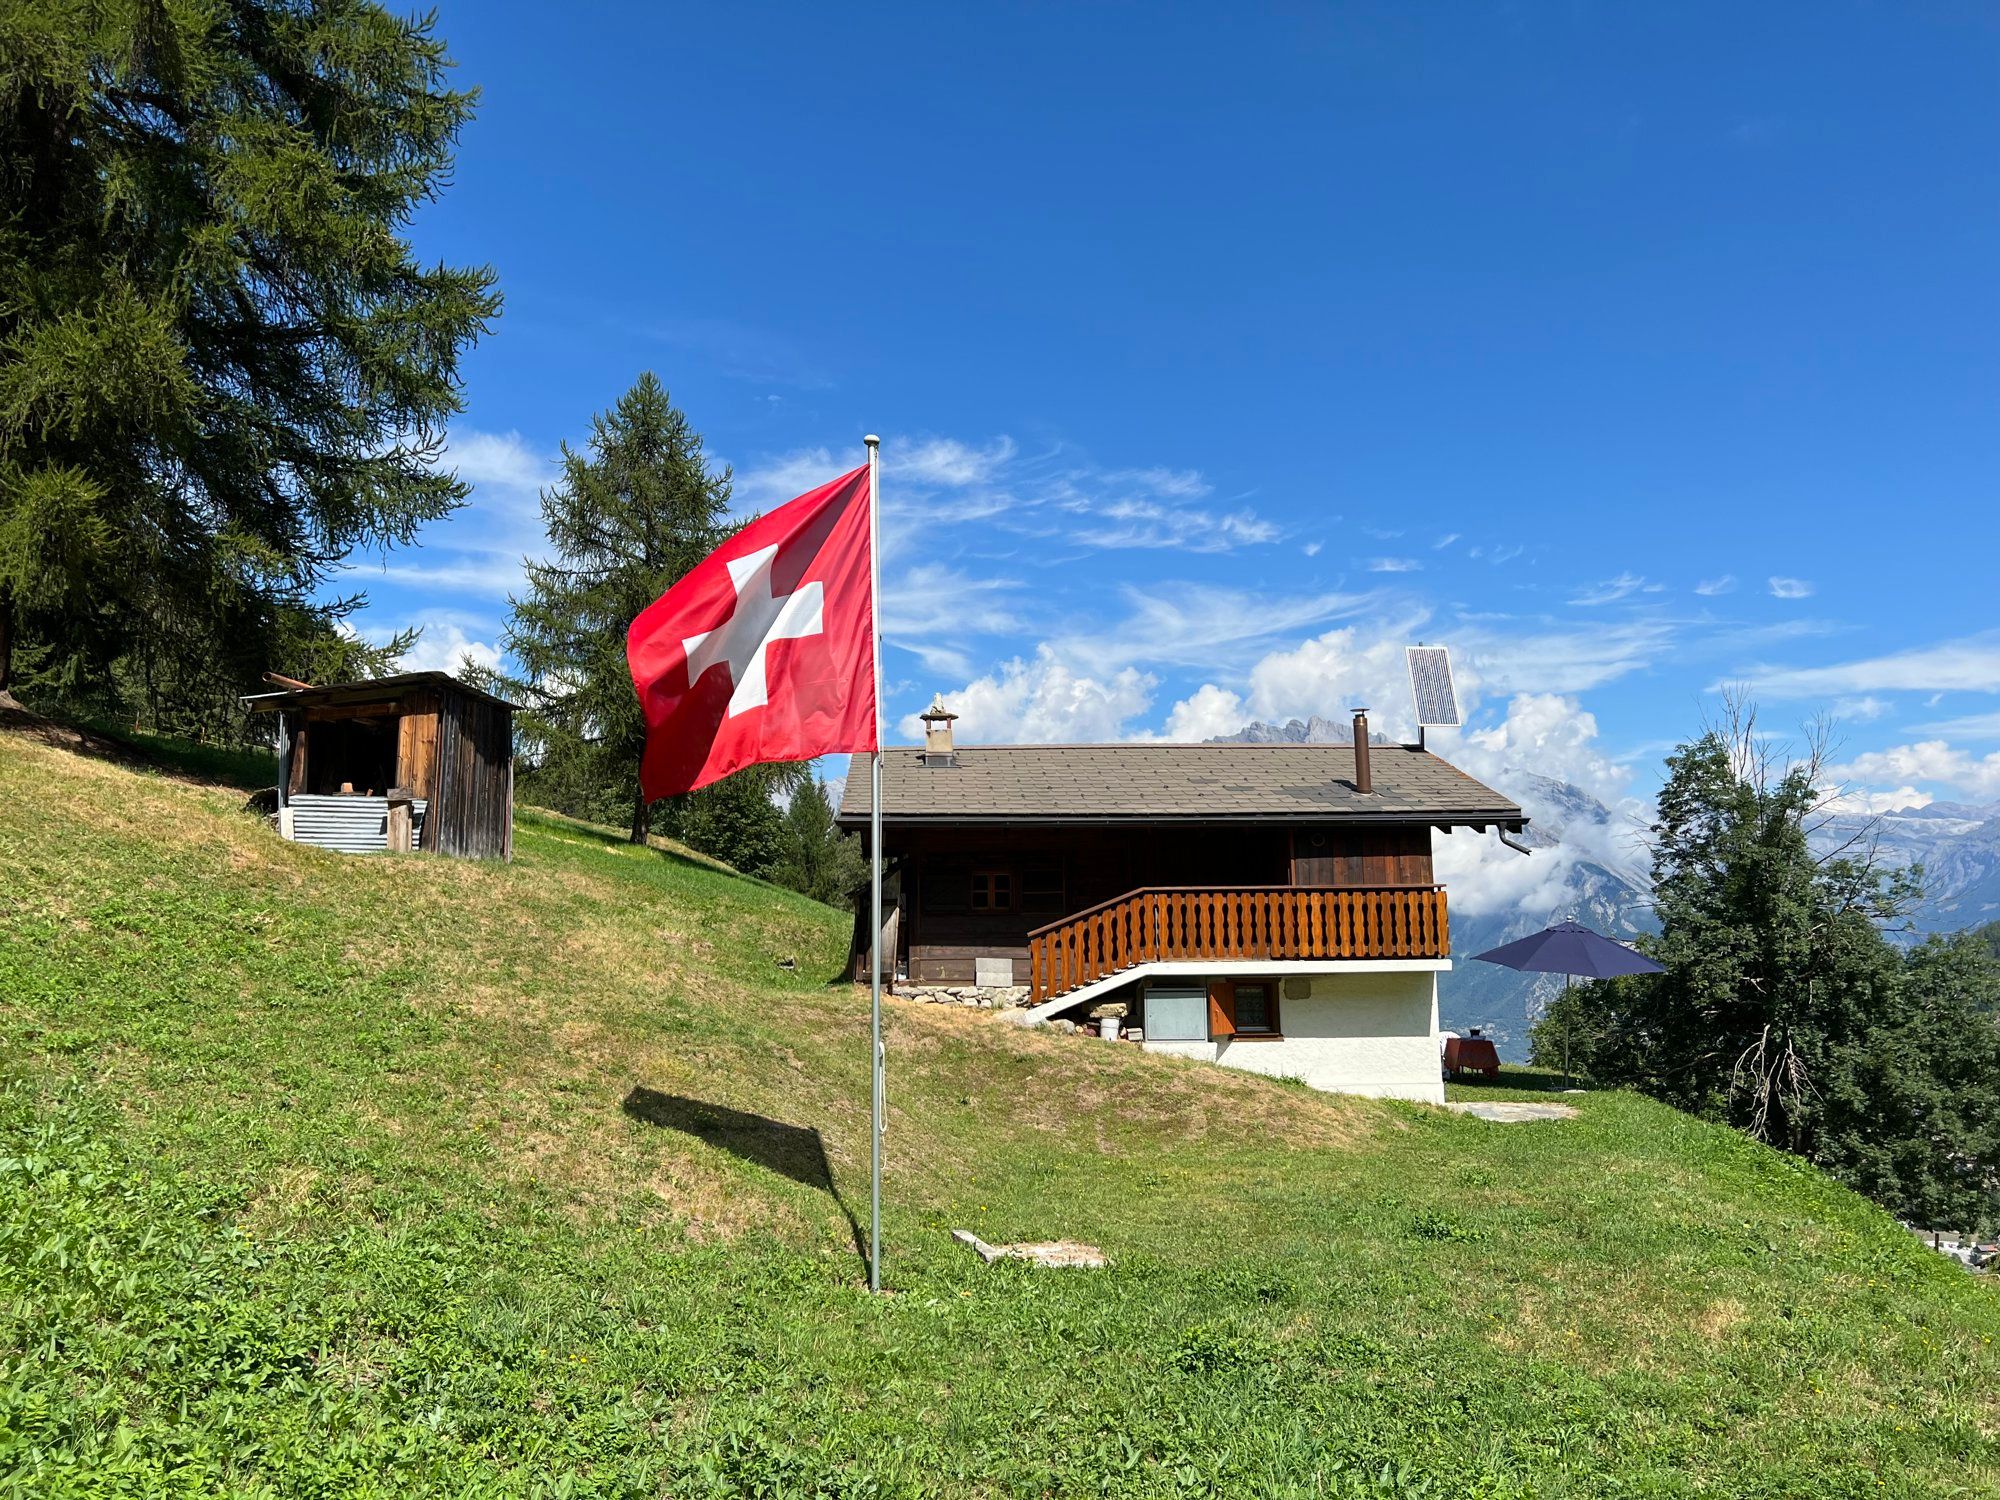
(1598, 873)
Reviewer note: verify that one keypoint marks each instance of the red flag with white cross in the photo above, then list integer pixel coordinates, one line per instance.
(766, 649)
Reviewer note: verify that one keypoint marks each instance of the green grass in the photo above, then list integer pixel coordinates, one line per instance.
(341, 1176)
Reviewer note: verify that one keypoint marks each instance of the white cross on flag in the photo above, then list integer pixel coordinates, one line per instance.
(765, 650)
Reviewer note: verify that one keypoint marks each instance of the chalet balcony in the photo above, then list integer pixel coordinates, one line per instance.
(1178, 924)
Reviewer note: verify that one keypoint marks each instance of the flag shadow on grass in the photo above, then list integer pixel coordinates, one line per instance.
(794, 1151)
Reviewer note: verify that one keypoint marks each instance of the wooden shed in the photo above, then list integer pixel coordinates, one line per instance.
(418, 761)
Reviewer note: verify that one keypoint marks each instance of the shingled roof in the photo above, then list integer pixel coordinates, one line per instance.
(1144, 783)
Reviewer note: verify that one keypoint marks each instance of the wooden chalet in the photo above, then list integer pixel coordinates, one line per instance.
(418, 761)
(1225, 893)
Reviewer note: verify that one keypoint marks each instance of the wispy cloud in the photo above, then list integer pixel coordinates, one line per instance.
(1970, 664)
(937, 483)
(1394, 565)
(937, 612)
(1708, 588)
(1965, 727)
(477, 550)
(1445, 541)
(1566, 661)
(1613, 589)
(1790, 588)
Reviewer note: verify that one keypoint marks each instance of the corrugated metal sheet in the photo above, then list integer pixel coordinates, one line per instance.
(352, 825)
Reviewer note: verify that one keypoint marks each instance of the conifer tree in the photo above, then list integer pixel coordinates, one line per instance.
(1785, 1009)
(628, 517)
(222, 368)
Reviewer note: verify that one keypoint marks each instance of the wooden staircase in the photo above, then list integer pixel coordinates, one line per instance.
(1159, 924)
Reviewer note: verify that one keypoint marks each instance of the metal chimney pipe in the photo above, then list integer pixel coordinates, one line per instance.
(1364, 780)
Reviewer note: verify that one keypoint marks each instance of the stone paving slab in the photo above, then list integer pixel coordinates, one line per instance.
(1509, 1112)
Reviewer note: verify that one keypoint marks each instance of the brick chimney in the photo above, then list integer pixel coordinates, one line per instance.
(1364, 780)
(938, 750)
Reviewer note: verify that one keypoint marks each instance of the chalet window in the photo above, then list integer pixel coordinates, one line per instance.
(992, 890)
(1256, 1010)
(1042, 891)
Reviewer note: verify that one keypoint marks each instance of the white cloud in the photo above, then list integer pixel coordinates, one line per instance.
(503, 459)
(478, 548)
(788, 476)
(1613, 589)
(1394, 565)
(936, 611)
(1868, 804)
(442, 645)
(1708, 588)
(1182, 484)
(945, 461)
(1969, 727)
(1543, 738)
(1548, 734)
(1861, 710)
(1790, 588)
(1201, 625)
(1564, 661)
(934, 484)
(1937, 762)
(1311, 549)
(1445, 541)
(1970, 664)
(1210, 712)
(1044, 701)
(1356, 666)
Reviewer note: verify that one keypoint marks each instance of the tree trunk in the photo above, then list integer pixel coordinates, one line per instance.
(6, 639)
(639, 816)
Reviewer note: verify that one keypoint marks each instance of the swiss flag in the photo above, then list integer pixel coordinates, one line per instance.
(765, 650)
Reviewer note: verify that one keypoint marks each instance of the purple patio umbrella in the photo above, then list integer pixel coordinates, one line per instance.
(1570, 948)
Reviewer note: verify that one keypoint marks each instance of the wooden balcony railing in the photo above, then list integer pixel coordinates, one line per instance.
(1235, 922)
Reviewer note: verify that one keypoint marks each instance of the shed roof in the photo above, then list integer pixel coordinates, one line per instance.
(1173, 783)
(367, 690)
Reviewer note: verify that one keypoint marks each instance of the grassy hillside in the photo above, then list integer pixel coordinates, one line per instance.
(331, 1176)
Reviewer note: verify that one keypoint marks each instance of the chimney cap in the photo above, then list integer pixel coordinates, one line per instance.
(937, 712)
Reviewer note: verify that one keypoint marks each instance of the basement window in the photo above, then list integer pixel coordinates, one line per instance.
(1256, 1010)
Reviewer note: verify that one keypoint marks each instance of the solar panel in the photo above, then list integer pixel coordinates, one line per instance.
(1430, 685)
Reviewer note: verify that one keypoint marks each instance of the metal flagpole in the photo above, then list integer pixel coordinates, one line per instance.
(875, 869)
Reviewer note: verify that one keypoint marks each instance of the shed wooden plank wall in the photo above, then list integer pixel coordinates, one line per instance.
(417, 744)
(472, 804)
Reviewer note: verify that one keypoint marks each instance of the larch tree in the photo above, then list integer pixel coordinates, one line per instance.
(222, 366)
(626, 519)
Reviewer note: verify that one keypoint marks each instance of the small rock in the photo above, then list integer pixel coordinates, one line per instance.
(1053, 1253)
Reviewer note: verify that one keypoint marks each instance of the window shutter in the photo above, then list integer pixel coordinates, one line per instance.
(1221, 1008)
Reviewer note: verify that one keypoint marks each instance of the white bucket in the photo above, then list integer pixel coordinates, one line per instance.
(1107, 1027)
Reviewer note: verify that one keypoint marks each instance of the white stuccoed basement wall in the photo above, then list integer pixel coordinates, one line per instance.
(1372, 1034)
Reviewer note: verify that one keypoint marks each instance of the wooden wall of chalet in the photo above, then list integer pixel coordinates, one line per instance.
(941, 934)
(1399, 854)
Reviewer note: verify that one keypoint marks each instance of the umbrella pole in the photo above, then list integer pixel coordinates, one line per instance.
(1568, 1019)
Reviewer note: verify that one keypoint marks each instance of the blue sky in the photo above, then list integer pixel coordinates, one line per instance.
(1219, 352)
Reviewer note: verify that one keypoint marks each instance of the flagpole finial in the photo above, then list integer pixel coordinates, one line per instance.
(872, 441)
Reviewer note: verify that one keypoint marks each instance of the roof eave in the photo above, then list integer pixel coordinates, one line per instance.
(1512, 819)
